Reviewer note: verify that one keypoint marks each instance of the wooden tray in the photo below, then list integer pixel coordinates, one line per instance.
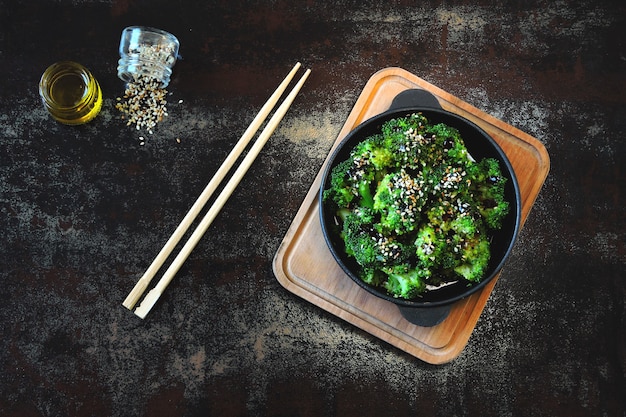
(304, 265)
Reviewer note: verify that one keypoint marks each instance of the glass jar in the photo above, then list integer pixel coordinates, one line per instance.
(70, 93)
(148, 52)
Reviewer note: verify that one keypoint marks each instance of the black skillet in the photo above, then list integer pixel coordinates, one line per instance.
(433, 306)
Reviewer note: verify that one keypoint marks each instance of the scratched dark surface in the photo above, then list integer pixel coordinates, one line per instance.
(84, 210)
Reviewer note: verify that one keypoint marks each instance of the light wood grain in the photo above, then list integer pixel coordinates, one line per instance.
(304, 265)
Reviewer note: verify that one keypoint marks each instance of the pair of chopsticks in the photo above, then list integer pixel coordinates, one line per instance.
(154, 294)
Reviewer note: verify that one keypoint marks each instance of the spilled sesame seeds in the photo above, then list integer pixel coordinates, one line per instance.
(143, 104)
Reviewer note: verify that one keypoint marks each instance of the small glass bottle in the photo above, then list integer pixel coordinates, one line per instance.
(147, 52)
(70, 93)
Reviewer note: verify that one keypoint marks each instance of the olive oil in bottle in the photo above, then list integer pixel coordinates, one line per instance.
(70, 93)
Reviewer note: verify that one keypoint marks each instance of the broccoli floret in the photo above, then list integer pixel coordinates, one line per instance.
(432, 140)
(460, 234)
(487, 187)
(405, 281)
(359, 241)
(341, 190)
(404, 136)
(448, 181)
(370, 248)
(465, 225)
(466, 250)
(374, 153)
(364, 215)
(399, 199)
(448, 140)
(429, 245)
(349, 185)
(474, 258)
(353, 180)
(417, 144)
(440, 213)
(399, 126)
(437, 214)
(373, 276)
(447, 248)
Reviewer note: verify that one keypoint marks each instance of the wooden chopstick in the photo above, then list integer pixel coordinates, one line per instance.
(136, 293)
(154, 294)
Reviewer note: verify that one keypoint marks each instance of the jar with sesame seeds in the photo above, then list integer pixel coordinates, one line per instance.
(147, 52)
(147, 56)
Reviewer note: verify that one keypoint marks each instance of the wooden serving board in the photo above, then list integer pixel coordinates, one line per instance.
(304, 265)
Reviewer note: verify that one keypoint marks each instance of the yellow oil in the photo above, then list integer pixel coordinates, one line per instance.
(70, 93)
(68, 90)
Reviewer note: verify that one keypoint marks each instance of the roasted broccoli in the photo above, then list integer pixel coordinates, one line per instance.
(404, 137)
(370, 248)
(430, 243)
(487, 186)
(406, 281)
(447, 145)
(474, 254)
(415, 208)
(350, 185)
(456, 242)
(373, 153)
(399, 199)
(416, 144)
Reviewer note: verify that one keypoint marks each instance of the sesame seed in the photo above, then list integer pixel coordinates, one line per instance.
(143, 103)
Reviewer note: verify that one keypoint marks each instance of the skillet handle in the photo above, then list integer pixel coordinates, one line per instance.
(425, 317)
(415, 97)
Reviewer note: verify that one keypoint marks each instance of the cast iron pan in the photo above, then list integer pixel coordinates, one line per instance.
(434, 306)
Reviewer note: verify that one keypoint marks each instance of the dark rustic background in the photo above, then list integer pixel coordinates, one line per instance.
(83, 211)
